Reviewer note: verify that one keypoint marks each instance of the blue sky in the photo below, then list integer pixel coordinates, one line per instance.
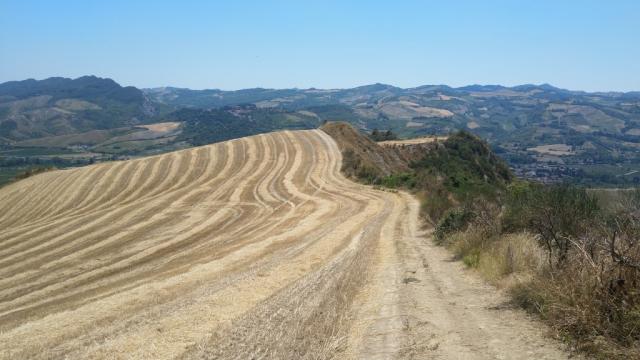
(582, 45)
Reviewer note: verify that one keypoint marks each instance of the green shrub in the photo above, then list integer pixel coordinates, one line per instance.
(562, 257)
(377, 135)
(435, 204)
(466, 166)
(453, 220)
(557, 213)
(472, 259)
(394, 181)
(529, 298)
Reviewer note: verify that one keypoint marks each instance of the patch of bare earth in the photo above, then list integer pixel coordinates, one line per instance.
(164, 127)
(414, 141)
(553, 149)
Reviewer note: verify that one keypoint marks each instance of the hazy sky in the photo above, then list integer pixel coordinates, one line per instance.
(582, 45)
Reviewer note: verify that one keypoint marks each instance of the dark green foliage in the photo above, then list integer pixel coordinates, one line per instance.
(89, 88)
(558, 213)
(453, 220)
(377, 135)
(467, 166)
(4, 111)
(12, 167)
(435, 203)
(406, 180)
(208, 126)
(460, 171)
(6, 127)
(39, 114)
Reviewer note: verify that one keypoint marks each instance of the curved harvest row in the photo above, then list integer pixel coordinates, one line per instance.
(252, 246)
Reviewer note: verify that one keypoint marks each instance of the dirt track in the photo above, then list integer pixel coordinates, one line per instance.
(251, 248)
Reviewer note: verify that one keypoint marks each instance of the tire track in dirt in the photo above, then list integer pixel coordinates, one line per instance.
(422, 304)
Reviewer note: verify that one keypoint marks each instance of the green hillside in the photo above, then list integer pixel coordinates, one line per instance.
(60, 106)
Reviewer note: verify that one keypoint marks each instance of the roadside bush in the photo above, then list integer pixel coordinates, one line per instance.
(452, 221)
(406, 180)
(512, 258)
(591, 301)
(467, 245)
(557, 213)
(435, 204)
(563, 257)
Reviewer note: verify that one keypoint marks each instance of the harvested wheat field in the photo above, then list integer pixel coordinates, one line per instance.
(247, 249)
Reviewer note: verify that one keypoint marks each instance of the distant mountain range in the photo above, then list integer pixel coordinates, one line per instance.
(60, 106)
(528, 113)
(543, 131)
(305, 97)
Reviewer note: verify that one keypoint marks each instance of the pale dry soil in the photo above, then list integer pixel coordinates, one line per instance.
(255, 248)
(414, 141)
(553, 149)
(162, 127)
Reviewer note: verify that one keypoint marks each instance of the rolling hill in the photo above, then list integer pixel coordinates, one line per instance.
(256, 247)
(495, 112)
(60, 106)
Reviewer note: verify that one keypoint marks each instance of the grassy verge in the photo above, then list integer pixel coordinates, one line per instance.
(560, 252)
(561, 257)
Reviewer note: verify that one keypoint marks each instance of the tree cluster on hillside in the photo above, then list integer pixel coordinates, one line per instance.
(444, 173)
(467, 166)
(377, 135)
(462, 168)
(202, 127)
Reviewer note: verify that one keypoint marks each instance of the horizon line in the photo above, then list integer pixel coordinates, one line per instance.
(544, 84)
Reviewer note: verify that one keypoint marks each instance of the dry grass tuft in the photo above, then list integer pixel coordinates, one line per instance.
(517, 257)
(591, 301)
